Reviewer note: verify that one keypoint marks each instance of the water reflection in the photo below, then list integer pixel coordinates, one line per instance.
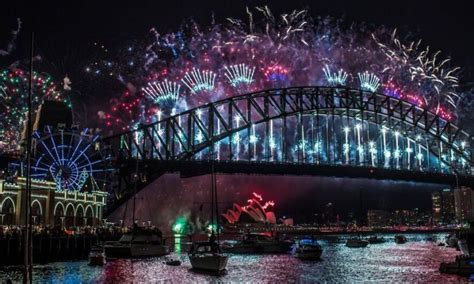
(416, 261)
(177, 244)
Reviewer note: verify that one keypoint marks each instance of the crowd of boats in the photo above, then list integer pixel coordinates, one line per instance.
(212, 255)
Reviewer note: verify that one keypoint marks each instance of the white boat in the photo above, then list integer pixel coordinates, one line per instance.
(308, 249)
(97, 256)
(140, 243)
(356, 242)
(207, 256)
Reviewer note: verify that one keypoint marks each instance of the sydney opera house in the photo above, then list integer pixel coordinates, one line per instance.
(256, 211)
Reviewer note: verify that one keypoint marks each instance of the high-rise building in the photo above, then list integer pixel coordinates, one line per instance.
(443, 206)
(448, 208)
(464, 201)
(436, 206)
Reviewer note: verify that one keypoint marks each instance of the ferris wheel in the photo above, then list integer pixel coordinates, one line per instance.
(69, 159)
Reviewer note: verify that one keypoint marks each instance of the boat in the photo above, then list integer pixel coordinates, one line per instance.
(308, 249)
(400, 239)
(356, 242)
(376, 240)
(97, 256)
(452, 240)
(463, 266)
(254, 243)
(208, 256)
(141, 242)
(173, 262)
(466, 242)
(464, 263)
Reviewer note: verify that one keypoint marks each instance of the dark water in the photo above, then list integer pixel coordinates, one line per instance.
(416, 261)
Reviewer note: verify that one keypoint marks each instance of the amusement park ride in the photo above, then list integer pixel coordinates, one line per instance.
(68, 173)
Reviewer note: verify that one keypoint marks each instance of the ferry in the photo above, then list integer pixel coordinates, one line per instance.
(141, 242)
(308, 249)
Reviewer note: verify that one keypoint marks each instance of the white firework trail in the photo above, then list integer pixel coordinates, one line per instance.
(197, 80)
(338, 78)
(425, 67)
(163, 92)
(368, 81)
(239, 74)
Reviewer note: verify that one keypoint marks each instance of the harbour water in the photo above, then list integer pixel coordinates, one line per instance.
(416, 261)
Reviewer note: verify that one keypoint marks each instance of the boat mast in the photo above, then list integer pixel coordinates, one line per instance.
(215, 198)
(135, 191)
(212, 197)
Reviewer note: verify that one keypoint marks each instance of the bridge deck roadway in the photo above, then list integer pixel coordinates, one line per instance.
(196, 168)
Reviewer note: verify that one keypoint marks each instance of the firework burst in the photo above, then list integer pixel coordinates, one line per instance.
(239, 74)
(163, 93)
(287, 50)
(368, 81)
(13, 102)
(335, 78)
(197, 81)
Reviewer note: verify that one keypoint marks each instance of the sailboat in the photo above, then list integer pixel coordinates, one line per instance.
(208, 256)
(357, 241)
(140, 242)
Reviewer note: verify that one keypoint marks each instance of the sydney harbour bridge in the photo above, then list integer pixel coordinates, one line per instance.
(329, 131)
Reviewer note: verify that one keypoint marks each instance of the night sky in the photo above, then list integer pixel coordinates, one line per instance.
(445, 25)
(66, 30)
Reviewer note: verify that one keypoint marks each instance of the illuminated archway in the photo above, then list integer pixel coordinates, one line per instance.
(59, 214)
(80, 215)
(8, 210)
(36, 212)
(69, 216)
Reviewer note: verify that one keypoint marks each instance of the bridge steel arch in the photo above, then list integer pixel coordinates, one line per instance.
(306, 125)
